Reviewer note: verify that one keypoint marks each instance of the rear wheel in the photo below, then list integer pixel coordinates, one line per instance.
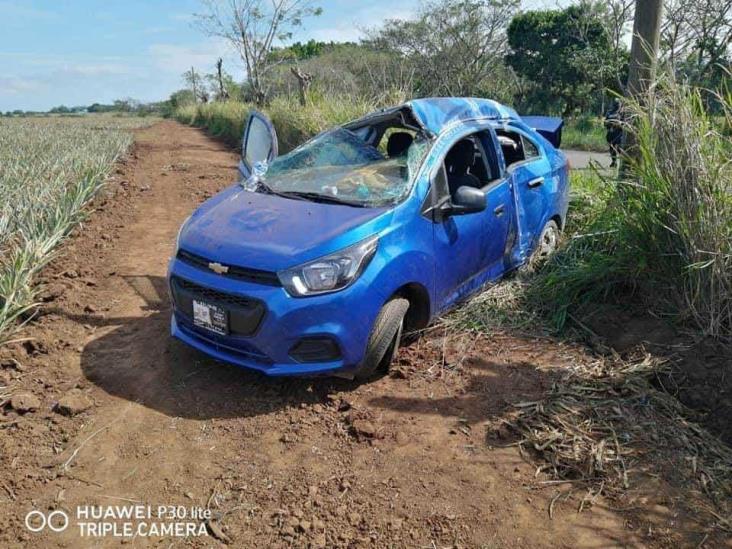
(547, 245)
(384, 339)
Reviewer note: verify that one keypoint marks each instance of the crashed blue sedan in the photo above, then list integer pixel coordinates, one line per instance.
(318, 259)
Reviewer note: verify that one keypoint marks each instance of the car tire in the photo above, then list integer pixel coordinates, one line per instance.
(384, 339)
(547, 244)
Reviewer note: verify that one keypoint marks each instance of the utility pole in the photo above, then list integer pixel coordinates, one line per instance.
(643, 61)
(644, 49)
(193, 84)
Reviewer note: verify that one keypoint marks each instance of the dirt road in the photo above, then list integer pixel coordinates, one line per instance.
(403, 461)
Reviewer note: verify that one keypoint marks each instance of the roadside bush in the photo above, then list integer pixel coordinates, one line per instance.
(665, 235)
(224, 120)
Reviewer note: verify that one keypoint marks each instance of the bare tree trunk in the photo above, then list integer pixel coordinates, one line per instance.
(304, 80)
(223, 94)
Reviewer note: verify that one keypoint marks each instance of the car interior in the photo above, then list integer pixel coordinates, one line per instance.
(397, 124)
(398, 144)
(515, 148)
(467, 165)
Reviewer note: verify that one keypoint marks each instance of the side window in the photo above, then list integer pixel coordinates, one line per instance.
(511, 146)
(466, 164)
(516, 147)
(530, 148)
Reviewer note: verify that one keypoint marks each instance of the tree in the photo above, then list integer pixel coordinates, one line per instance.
(193, 80)
(181, 98)
(304, 80)
(222, 94)
(565, 54)
(696, 37)
(251, 27)
(617, 18)
(455, 47)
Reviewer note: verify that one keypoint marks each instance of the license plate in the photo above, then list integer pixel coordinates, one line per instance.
(210, 317)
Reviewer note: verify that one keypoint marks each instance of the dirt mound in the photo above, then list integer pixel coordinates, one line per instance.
(701, 371)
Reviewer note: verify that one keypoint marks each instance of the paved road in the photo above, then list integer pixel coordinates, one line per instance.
(581, 159)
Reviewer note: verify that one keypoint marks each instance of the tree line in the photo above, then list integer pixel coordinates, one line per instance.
(564, 61)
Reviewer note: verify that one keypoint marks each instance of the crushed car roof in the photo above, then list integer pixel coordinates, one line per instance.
(437, 113)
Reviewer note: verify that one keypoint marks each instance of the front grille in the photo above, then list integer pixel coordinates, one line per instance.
(209, 294)
(245, 314)
(238, 273)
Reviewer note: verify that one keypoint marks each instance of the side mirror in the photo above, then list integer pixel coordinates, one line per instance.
(466, 200)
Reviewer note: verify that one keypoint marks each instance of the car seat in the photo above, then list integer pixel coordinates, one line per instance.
(398, 144)
(458, 163)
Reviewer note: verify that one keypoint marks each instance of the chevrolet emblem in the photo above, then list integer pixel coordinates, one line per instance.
(218, 268)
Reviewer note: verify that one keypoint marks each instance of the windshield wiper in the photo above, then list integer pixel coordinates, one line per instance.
(325, 198)
(262, 187)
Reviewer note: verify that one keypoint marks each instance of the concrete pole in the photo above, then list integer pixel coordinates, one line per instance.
(644, 49)
(643, 61)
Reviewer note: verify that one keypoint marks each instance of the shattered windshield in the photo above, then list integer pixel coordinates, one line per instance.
(340, 166)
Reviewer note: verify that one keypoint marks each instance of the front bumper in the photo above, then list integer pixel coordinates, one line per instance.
(344, 317)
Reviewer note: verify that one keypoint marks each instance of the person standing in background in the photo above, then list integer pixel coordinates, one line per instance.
(614, 130)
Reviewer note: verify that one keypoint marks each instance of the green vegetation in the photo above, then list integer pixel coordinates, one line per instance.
(120, 107)
(664, 234)
(584, 134)
(294, 124)
(565, 56)
(50, 169)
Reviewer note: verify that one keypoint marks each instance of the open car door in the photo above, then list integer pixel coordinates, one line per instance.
(259, 143)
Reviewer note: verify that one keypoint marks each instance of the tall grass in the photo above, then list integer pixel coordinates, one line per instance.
(665, 235)
(293, 122)
(50, 168)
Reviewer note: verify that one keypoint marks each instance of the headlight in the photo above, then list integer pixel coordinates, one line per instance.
(330, 273)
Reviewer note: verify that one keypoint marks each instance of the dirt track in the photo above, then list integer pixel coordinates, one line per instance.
(402, 461)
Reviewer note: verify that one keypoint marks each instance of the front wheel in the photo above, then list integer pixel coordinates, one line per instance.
(384, 339)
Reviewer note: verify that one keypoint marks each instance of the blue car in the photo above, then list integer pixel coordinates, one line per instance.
(318, 259)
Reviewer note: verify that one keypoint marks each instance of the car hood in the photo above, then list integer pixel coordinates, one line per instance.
(270, 232)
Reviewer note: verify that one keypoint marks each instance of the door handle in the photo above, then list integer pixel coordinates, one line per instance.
(536, 182)
(499, 210)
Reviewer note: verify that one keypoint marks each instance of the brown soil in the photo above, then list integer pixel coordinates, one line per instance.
(700, 369)
(402, 461)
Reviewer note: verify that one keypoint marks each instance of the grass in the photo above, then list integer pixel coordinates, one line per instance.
(584, 134)
(50, 169)
(664, 235)
(294, 124)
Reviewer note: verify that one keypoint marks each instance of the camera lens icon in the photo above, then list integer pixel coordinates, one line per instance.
(56, 521)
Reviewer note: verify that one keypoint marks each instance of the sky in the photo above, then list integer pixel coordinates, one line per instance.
(78, 52)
